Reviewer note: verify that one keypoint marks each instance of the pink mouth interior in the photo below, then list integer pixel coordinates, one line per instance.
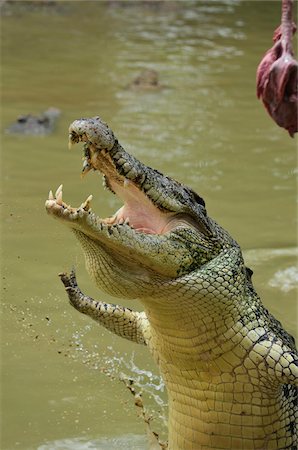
(140, 212)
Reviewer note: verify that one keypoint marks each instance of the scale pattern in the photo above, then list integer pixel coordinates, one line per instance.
(230, 368)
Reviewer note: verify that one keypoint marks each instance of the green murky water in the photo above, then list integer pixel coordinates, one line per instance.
(205, 127)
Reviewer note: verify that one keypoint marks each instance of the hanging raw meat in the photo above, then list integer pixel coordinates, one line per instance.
(277, 74)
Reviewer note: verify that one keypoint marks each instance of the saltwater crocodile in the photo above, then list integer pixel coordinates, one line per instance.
(230, 368)
(147, 80)
(35, 125)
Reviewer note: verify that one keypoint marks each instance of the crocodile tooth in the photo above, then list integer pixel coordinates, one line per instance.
(86, 204)
(73, 138)
(126, 182)
(109, 220)
(59, 190)
(86, 167)
(126, 221)
(121, 221)
(51, 196)
(59, 198)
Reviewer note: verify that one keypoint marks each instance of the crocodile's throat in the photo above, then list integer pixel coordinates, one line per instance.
(138, 211)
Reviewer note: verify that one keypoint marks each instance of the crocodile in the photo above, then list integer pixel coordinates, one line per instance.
(147, 80)
(229, 367)
(35, 125)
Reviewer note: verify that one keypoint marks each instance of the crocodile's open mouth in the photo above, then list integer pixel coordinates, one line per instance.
(138, 211)
(161, 230)
(152, 203)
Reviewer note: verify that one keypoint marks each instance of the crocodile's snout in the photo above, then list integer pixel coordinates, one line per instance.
(94, 131)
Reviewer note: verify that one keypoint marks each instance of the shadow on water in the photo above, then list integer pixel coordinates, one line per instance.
(60, 373)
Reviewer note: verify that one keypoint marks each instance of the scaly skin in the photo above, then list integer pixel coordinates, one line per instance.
(229, 367)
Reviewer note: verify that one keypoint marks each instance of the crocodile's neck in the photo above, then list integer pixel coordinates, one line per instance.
(184, 332)
(193, 318)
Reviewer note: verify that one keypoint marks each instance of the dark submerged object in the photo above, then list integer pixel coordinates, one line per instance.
(277, 74)
(146, 80)
(35, 125)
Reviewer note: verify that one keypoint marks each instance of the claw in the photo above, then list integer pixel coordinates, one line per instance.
(65, 279)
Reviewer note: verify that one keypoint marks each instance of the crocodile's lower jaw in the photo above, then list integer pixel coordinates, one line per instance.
(137, 212)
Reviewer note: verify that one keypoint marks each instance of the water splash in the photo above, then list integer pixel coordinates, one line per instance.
(285, 280)
(82, 346)
(128, 442)
(118, 366)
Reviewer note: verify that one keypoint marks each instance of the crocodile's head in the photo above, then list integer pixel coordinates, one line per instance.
(161, 232)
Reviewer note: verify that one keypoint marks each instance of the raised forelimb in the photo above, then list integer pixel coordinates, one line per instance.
(120, 320)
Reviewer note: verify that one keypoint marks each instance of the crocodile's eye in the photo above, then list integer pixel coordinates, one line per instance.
(197, 198)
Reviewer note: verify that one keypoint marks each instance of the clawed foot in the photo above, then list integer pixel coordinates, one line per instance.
(77, 299)
(70, 280)
(71, 286)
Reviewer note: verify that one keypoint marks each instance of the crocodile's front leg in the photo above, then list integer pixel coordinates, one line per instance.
(122, 321)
